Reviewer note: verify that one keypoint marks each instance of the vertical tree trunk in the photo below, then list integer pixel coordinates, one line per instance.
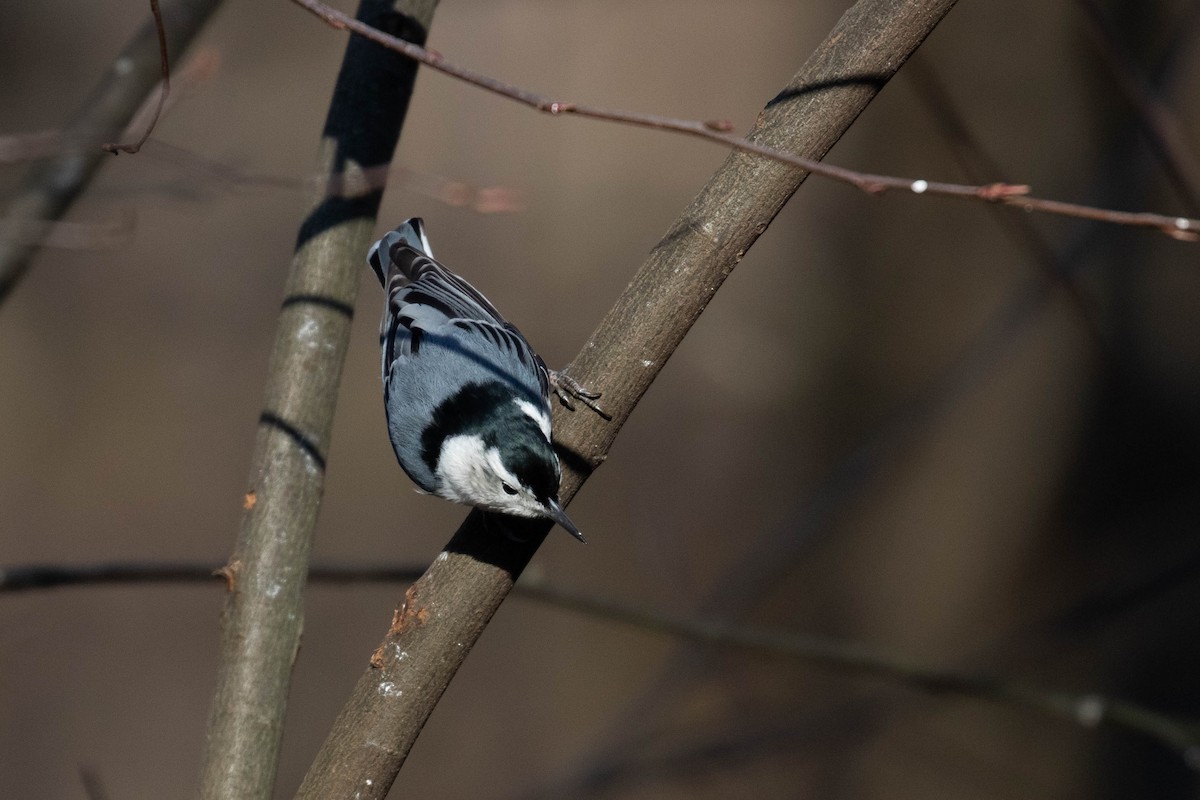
(266, 573)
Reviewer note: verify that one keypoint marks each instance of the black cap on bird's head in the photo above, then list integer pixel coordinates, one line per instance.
(523, 454)
(538, 472)
(489, 449)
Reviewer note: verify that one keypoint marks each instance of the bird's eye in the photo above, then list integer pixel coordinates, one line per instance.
(508, 489)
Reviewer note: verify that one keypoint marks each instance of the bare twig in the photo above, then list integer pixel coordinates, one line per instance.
(266, 572)
(978, 164)
(445, 612)
(450, 191)
(1160, 123)
(1087, 710)
(1017, 195)
(361, 181)
(165, 67)
(196, 70)
(34, 577)
(71, 235)
(51, 186)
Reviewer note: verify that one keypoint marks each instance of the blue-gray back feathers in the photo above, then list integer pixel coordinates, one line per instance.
(445, 350)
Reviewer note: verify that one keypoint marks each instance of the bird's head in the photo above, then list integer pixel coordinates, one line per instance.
(498, 457)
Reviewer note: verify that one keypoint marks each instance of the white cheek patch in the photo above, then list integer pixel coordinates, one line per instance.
(461, 467)
(470, 473)
(538, 415)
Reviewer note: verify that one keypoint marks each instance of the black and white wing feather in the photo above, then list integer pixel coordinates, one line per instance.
(422, 295)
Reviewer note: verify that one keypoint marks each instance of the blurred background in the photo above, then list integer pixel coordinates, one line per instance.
(958, 434)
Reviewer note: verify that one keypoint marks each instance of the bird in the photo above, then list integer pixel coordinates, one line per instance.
(467, 398)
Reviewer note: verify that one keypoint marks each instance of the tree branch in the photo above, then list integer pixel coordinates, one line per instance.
(33, 577)
(52, 185)
(266, 573)
(1162, 127)
(164, 68)
(1181, 228)
(1086, 710)
(444, 612)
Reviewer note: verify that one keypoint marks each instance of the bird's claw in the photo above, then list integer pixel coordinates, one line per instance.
(567, 387)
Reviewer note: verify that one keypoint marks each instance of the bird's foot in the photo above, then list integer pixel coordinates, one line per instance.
(567, 388)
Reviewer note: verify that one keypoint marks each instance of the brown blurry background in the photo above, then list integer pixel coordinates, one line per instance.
(888, 428)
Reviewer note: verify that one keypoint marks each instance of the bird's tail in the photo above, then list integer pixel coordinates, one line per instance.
(410, 233)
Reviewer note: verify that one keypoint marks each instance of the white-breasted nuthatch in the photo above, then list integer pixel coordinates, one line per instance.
(467, 398)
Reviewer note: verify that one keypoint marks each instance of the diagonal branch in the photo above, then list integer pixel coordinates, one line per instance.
(52, 185)
(1181, 228)
(1162, 126)
(446, 611)
(266, 573)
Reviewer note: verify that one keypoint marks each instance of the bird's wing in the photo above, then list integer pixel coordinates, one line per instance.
(423, 295)
(506, 337)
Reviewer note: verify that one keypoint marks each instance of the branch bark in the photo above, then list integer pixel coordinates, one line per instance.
(52, 185)
(266, 573)
(444, 612)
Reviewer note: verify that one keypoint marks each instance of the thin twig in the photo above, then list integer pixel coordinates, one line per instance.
(36, 577)
(1016, 195)
(195, 71)
(52, 185)
(165, 67)
(1087, 710)
(361, 181)
(978, 164)
(452, 192)
(1160, 123)
(71, 235)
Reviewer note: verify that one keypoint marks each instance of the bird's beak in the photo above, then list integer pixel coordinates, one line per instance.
(558, 515)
